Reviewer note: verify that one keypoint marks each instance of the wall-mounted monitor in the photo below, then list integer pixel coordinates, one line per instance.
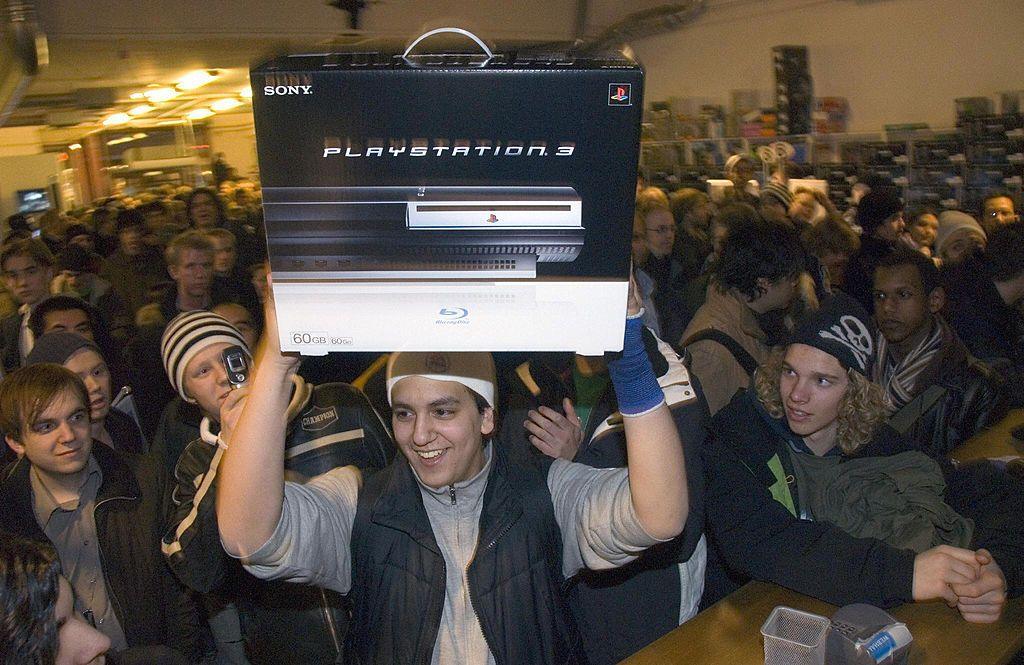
(33, 200)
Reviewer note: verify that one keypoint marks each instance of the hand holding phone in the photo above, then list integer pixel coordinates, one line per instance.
(236, 364)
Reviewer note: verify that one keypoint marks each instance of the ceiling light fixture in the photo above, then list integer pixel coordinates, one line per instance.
(225, 104)
(157, 95)
(246, 92)
(116, 119)
(75, 146)
(140, 135)
(140, 109)
(199, 114)
(137, 95)
(193, 80)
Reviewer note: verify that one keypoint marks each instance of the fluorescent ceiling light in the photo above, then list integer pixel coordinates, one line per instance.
(157, 95)
(195, 79)
(116, 119)
(137, 95)
(246, 92)
(199, 114)
(140, 135)
(75, 146)
(225, 104)
(140, 109)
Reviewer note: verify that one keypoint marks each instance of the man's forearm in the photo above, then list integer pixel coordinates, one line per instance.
(252, 475)
(657, 472)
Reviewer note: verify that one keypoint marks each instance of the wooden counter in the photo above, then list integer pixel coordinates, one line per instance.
(729, 632)
(994, 441)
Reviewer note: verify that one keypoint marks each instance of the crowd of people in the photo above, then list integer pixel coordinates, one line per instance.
(792, 383)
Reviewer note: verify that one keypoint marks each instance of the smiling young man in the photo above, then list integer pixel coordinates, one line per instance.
(454, 553)
(102, 511)
(918, 350)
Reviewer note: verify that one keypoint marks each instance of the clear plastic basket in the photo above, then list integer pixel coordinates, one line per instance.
(793, 637)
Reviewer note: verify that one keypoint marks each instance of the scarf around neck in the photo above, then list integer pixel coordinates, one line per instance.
(899, 379)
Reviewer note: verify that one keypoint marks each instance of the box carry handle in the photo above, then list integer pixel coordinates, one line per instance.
(459, 31)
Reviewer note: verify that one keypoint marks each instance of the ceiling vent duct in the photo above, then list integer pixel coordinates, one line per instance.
(646, 23)
(23, 52)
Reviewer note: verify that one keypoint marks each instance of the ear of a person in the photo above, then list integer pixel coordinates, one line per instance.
(487, 423)
(14, 445)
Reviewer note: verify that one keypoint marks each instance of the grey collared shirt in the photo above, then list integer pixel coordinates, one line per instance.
(71, 527)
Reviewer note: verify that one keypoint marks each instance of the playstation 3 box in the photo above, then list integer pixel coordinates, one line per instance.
(448, 202)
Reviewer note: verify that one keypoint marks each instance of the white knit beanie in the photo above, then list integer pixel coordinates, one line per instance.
(951, 222)
(189, 333)
(473, 370)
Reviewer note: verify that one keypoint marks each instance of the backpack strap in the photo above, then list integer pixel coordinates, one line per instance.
(904, 419)
(745, 360)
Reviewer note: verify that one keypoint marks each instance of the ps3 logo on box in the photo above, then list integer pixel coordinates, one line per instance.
(270, 90)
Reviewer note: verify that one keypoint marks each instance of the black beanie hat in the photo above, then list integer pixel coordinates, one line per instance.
(57, 347)
(839, 328)
(877, 206)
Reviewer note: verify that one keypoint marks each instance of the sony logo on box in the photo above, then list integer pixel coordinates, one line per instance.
(287, 84)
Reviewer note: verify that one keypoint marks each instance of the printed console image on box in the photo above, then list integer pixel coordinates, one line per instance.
(448, 202)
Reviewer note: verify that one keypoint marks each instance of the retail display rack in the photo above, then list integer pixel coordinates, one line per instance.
(946, 168)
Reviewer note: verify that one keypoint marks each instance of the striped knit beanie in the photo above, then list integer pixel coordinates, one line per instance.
(188, 334)
(777, 193)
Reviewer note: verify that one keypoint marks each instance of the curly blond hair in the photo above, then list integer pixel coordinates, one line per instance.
(862, 409)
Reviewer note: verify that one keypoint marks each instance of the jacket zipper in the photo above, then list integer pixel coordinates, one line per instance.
(329, 620)
(490, 647)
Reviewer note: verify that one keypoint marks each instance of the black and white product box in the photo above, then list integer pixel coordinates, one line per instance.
(448, 204)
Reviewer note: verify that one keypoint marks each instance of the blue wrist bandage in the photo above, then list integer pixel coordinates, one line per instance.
(636, 387)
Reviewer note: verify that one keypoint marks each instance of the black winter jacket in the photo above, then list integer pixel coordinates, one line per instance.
(974, 399)
(992, 330)
(150, 604)
(282, 622)
(751, 535)
(516, 572)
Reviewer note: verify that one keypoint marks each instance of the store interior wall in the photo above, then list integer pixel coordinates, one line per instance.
(234, 135)
(24, 172)
(896, 61)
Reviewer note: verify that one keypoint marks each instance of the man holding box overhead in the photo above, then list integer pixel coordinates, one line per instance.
(454, 553)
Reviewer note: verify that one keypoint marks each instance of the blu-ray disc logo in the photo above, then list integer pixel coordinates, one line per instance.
(453, 316)
(619, 94)
(454, 312)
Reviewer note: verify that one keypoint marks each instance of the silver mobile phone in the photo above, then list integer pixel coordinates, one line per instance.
(236, 364)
